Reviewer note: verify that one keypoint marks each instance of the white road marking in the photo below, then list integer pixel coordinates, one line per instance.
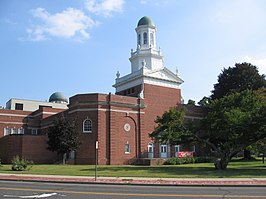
(44, 195)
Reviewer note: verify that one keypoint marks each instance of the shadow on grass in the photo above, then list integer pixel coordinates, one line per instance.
(179, 172)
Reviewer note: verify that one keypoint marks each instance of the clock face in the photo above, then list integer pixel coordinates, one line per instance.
(127, 127)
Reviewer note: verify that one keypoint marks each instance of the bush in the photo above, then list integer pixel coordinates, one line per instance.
(21, 164)
(183, 160)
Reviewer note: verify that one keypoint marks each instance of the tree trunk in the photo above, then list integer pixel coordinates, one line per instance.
(64, 159)
(247, 155)
(222, 163)
(263, 158)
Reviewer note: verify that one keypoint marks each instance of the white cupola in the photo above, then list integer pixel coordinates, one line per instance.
(146, 34)
(146, 54)
(147, 66)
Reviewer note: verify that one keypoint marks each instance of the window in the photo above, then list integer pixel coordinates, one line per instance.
(163, 148)
(150, 148)
(18, 106)
(127, 148)
(34, 131)
(177, 148)
(14, 131)
(145, 38)
(139, 39)
(87, 126)
(71, 155)
(21, 131)
(7, 131)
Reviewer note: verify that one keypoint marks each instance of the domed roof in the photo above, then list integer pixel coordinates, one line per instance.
(58, 97)
(145, 21)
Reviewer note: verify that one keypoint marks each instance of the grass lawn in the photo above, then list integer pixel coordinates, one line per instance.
(236, 169)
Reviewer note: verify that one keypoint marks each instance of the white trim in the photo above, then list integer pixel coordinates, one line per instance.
(102, 109)
(31, 116)
(122, 111)
(46, 126)
(12, 122)
(48, 113)
(194, 117)
(15, 115)
(161, 82)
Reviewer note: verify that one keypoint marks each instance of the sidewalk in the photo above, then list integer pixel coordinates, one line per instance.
(139, 181)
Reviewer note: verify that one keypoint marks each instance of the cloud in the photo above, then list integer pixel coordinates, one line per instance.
(105, 8)
(70, 23)
(10, 22)
(260, 63)
(154, 2)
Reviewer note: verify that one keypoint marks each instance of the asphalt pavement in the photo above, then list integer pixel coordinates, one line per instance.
(138, 181)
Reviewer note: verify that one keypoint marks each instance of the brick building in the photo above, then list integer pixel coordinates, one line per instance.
(120, 122)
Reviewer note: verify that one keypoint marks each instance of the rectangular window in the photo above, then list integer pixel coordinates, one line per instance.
(71, 155)
(14, 131)
(163, 148)
(21, 131)
(7, 131)
(18, 106)
(127, 148)
(34, 131)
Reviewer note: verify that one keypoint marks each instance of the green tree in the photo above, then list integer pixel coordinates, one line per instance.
(63, 137)
(192, 102)
(244, 76)
(233, 123)
(261, 148)
(205, 101)
(171, 128)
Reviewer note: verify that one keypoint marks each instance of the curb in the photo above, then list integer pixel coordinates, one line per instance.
(245, 182)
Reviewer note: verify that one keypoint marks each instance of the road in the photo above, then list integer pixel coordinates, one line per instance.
(16, 189)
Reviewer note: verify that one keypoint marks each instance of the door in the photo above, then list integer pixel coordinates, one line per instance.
(177, 149)
(150, 150)
(163, 151)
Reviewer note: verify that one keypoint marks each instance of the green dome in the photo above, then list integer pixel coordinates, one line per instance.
(58, 97)
(145, 21)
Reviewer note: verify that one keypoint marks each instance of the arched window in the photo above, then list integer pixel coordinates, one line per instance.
(145, 38)
(152, 39)
(87, 126)
(139, 39)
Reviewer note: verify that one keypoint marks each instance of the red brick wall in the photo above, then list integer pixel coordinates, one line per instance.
(158, 99)
(28, 146)
(109, 114)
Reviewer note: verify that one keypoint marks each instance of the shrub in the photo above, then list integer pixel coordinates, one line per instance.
(183, 160)
(21, 164)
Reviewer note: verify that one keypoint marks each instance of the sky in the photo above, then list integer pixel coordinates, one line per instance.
(77, 46)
